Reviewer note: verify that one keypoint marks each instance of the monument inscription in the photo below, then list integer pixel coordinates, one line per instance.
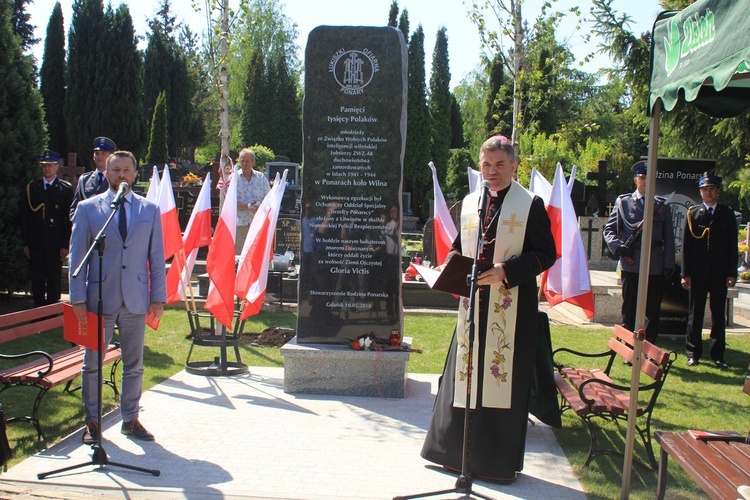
(354, 126)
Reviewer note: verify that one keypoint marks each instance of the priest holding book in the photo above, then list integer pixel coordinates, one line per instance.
(518, 242)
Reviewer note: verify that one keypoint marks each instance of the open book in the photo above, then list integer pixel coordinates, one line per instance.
(455, 276)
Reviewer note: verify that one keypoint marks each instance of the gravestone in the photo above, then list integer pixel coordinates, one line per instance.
(288, 235)
(354, 130)
(591, 233)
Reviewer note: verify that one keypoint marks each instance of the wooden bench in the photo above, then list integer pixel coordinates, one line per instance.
(592, 394)
(47, 370)
(718, 467)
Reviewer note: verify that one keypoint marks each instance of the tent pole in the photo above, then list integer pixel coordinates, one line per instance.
(640, 310)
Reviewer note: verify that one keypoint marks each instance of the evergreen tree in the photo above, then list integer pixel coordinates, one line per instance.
(256, 102)
(166, 70)
(498, 118)
(457, 179)
(417, 178)
(21, 141)
(287, 133)
(393, 14)
(267, 33)
(87, 102)
(21, 26)
(158, 152)
(403, 24)
(124, 84)
(52, 81)
(440, 105)
(457, 125)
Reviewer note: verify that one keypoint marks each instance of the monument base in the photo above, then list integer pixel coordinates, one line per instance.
(339, 369)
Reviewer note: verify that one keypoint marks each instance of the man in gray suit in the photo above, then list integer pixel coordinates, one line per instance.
(622, 224)
(133, 284)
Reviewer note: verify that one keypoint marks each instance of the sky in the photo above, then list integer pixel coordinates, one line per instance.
(464, 46)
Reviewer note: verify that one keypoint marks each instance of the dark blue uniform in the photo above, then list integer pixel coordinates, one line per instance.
(46, 231)
(709, 258)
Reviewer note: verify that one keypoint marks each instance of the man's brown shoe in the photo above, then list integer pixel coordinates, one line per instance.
(135, 429)
(91, 433)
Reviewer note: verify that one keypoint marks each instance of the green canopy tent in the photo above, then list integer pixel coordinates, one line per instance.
(699, 55)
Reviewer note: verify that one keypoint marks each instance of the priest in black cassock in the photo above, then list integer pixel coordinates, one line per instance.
(518, 239)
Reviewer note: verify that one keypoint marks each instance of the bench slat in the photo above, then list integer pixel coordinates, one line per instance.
(16, 318)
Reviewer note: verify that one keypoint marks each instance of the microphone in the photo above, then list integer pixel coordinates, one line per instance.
(120, 196)
(485, 187)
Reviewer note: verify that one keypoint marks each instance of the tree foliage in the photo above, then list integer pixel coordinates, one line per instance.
(269, 105)
(52, 81)
(417, 156)
(21, 141)
(166, 70)
(440, 104)
(158, 151)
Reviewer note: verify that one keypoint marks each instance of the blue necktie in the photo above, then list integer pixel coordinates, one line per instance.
(123, 222)
(710, 211)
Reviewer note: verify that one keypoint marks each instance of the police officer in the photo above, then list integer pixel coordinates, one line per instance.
(46, 229)
(94, 182)
(709, 266)
(622, 224)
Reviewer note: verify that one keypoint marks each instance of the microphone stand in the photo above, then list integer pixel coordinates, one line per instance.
(99, 456)
(464, 481)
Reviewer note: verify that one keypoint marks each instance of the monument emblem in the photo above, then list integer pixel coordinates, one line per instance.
(353, 70)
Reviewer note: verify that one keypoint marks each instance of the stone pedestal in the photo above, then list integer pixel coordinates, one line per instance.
(338, 369)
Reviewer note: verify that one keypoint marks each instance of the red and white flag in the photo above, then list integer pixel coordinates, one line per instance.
(252, 275)
(197, 234)
(445, 228)
(153, 187)
(568, 280)
(220, 261)
(170, 223)
(475, 179)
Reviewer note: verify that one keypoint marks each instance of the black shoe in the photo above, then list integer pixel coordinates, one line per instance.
(91, 433)
(135, 429)
(626, 362)
(720, 364)
(692, 362)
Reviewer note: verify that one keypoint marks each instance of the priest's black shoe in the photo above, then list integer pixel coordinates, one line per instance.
(692, 362)
(720, 364)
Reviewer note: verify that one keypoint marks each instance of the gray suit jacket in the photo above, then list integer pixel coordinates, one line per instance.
(622, 222)
(133, 271)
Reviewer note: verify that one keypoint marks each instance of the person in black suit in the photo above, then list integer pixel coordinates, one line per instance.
(94, 182)
(709, 267)
(45, 229)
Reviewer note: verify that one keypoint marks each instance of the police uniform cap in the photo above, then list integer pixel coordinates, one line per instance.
(49, 157)
(639, 168)
(709, 179)
(105, 143)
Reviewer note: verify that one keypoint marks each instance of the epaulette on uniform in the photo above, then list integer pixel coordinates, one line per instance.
(65, 183)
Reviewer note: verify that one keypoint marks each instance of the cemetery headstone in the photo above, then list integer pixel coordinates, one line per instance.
(354, 130)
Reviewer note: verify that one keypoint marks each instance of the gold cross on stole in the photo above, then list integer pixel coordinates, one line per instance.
(472, 224)
(512, 223)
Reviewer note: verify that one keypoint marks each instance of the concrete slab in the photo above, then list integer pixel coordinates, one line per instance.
(243, 437)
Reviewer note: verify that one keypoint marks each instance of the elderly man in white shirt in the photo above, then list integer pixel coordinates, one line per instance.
(252, 187)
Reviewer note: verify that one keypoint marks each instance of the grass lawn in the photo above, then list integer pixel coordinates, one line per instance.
(696, 398)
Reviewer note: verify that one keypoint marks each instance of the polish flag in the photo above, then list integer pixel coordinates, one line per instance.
(197, 234)
(170, 224)
(568, 280)
(445, 228)
(252, 275)
(153, 187)
(475, 179)
(220, 261)
(540, 186)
